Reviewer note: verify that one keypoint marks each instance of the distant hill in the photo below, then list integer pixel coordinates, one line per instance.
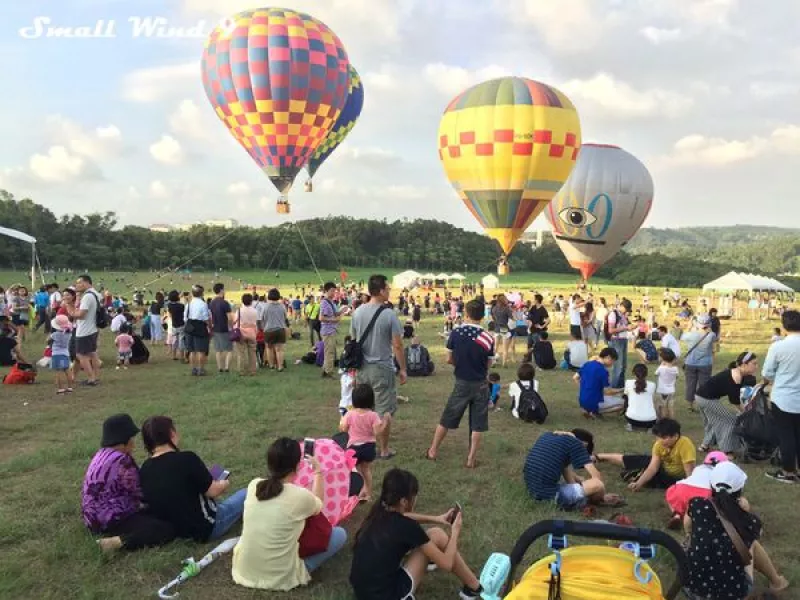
(651, 239)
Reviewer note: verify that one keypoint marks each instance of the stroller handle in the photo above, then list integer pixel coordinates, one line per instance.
(606, 531)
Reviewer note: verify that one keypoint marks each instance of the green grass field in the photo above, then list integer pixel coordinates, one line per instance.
(46, 444)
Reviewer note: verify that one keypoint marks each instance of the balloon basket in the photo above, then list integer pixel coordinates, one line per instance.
(283, 208)
(503, 269)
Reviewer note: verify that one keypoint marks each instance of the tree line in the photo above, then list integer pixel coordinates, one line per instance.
(95, 242)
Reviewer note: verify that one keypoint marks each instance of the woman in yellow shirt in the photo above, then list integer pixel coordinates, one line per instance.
(275, 512)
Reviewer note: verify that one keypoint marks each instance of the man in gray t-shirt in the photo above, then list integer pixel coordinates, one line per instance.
(382, 346)
(699, 357)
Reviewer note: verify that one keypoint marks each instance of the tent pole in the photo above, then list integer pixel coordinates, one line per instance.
(33, 267)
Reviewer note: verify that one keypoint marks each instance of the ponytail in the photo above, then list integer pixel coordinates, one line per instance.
(640, 373)
(743, 359)
(269, 488)
(729, 507)
(283, 456)
(397, 486)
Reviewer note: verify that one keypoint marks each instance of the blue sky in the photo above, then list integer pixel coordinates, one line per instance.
(703, 91)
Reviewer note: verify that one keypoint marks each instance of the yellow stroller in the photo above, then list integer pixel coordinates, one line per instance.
(588, 572)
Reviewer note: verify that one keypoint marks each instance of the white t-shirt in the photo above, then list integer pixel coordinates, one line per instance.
(640, 406)
(700, 477)
(348, 382)
(118, 322)
(515, 392)
(55, 299)
(669, 341)
(88, 325)
(667, 376)
(578, 353)
(574, 314)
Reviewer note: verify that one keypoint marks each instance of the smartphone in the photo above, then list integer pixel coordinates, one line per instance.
(218, 473)
(308, 447)
(456, 511)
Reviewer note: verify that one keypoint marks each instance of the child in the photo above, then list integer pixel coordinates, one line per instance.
(348, 380)
(471, 351)
(408, 330)
(392, 552)
(363, 424)
(577, 353)
(494, 390)
(672, 458)
(646, 349)
(596, 395)
(777, 337)
(526, 374)
(641, 411)
(697, 485)
(59, 360)
(261, 347)
(124, 344)
(667, 375)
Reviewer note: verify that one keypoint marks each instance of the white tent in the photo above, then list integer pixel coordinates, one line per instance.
(428, 277)
(491, 282)
(458, 276)
(734, 282)
(406, 279)
(24, 237)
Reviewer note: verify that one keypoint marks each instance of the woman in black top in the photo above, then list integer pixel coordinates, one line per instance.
(718, 420)
(156, 329)
(392, 551)
(716, 569)
(176, 311)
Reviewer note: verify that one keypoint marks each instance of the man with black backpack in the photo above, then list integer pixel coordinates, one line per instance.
(418, 359)
(90, 317)
(376, 331)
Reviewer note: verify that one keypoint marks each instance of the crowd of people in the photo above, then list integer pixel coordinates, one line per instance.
(173, 493)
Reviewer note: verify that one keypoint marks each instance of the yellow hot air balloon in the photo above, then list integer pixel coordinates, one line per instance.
(507, 146)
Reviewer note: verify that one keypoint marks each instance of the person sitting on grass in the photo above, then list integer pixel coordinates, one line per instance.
(470, 351)
(550, 471)
(640, 411)
(672, 458)
(526, 378)
(646, 349)
(392, 551)
(542, 353)
(10, 354)
(696, 485)
(111, 500)
(494, 390)
(717, 567)
(363, 424)
(418, 359)
(577, 353)
(596, 395)
(275, 514)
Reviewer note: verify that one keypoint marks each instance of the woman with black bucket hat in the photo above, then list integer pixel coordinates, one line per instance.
(112, 497)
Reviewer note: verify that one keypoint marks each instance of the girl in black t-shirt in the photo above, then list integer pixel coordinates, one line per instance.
(392, 551)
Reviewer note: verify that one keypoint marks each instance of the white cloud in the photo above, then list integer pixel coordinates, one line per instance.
(239, 188)
(369, 156)
(452, 80)
(167, 150)
(134, 193)
(614, 98)
(190, 120)
(159, 190)
(768, 90)
(99, 143)
(386, 78)
(660, 35)
(60, 165)
(699, 150)
(706, 13)
(156, 83)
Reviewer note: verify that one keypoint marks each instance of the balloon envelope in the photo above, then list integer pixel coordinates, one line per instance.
(278, 81)
(507, 146)
(601, 206)
(344, 124)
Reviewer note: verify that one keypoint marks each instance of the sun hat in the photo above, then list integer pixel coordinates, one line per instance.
(715, 458)
(727, 477)
(118, 429)
(704, 321)
(62, 323)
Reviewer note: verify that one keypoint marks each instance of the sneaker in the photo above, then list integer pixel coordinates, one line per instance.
(117, 367)
(782, 477)
(628, 427)
(468, 594)
(194, 372)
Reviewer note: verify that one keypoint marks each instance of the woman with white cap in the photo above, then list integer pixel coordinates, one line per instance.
(723, 545)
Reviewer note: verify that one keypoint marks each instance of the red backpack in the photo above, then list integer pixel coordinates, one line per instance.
(20, 373)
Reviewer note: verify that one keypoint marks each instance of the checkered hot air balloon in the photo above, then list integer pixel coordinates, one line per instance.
(601, 206)
(507, 146)
(344, 125)
(278, 80)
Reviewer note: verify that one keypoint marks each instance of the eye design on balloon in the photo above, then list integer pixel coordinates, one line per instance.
(577, 217)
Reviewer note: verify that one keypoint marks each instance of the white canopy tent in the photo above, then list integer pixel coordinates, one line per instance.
(442, 277)
(406, 279)
(458, 276)
(491, 282)
(24, 237)
(735, 282)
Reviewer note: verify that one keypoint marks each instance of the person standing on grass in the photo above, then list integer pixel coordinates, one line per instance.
(782, 368)
(61, 333)
(382, 347)
(470, 351)
(539, 320)
(699, 358)
(86, 331)
(329, 317)
(312, 317)
(176, 311)
(197, 331)
(619, 329)
(221, 318)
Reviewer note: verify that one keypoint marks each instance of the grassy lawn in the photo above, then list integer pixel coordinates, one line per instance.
(46, 443)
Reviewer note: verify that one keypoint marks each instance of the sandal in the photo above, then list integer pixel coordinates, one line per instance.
(613, 501)
(391, 454)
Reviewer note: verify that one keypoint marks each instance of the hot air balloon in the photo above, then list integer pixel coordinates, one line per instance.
(278, 81)
(344, 125)
(603, 204)
(507, 146)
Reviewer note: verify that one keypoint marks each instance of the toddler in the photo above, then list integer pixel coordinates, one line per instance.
(494, 390)
(59, 359)
(526, 378)
(363, 425)
(667, 374)
(124, 344)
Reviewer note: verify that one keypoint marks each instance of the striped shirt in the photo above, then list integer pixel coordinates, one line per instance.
(110, 489)
(546, 461)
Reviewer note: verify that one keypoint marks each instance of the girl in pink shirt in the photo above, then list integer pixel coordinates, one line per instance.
(124, 344)
(362, 424)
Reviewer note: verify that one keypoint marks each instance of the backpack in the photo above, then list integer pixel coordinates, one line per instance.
(530, 406)
(19, 374)
(353, 353)
(416, 361)
(100, 315)
(606, 329)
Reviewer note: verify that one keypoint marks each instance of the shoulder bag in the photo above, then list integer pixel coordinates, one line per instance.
(692, 349)
(741, 548)
(235, 334)
(353, 354)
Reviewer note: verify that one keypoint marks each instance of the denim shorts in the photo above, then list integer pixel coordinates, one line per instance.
(571, 496)
(59, 363)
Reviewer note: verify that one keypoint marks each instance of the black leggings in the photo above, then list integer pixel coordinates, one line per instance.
(787, 426)
(141, 530)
